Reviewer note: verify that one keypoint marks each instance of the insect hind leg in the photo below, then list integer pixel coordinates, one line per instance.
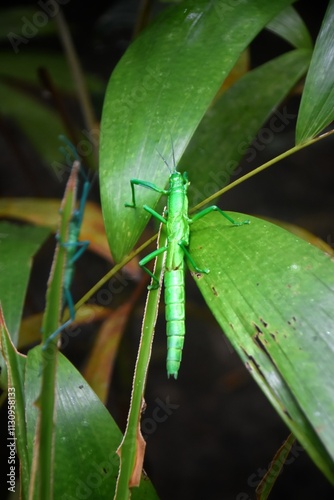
(214, 208)
(191, 260)
(70, 304)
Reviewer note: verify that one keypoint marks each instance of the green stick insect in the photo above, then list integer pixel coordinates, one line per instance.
(177, 224)
(74, 247)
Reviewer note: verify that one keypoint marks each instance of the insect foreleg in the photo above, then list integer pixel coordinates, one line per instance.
(83, 200)
(214, 208)
(145, 260)
(191, 260)
(145, 184)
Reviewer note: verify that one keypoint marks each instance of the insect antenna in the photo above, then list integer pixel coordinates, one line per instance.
(69, 150)
(70, 154)
(164, 160)
(174, 169)
(173, 153)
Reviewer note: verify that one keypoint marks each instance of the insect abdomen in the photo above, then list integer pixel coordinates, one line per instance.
(175, 316)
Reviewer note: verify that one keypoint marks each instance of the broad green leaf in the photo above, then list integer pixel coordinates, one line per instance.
(290, 26)
(21, 242)
(228, 128)
(273, 295)
(317, 104)
(303, 234)
(158, 94)
(86, 463)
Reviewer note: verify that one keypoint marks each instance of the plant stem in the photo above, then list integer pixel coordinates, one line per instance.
(257, 170)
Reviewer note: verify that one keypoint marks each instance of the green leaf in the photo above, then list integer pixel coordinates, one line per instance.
(226, 131)
(86, 463)
(291, 27)
(23, 242)
(273, 295)
(159, 92)
(317, 104)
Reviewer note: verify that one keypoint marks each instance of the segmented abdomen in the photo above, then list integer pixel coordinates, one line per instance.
(175, 316)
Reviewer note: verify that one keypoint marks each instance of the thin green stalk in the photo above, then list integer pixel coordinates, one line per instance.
(43, 458)
(257, 170)
(132, 447)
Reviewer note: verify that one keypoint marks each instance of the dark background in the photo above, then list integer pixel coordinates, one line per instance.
(220, 433)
